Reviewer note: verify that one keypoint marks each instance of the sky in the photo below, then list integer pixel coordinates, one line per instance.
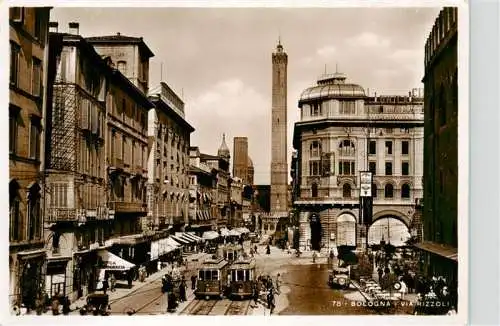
(219, 60)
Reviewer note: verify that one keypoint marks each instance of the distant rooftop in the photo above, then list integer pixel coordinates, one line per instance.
(118, 38)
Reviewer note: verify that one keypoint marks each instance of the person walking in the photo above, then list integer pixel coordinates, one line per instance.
(105, 284)
(193, 282)
(268, 250)
(270, 300)
(380, 273)
(255, 293)
(112, 282)
(278, 283)
(182, 291)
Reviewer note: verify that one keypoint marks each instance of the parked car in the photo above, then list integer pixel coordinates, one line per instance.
(339, 278)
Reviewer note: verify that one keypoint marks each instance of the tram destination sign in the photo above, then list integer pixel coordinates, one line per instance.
(365, 184)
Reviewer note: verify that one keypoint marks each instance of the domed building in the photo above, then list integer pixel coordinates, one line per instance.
(250, 171)
(342, 131)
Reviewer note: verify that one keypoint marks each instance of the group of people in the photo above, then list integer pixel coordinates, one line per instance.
(175, 290)
(265, 284)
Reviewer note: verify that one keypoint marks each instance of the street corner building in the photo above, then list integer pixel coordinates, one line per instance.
(440, 209)
(28, 32)
(343, 130)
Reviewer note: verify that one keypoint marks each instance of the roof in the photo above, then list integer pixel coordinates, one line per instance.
(208, 157)
(122, 39)
(214, 263)
(243, 263)
(332, 86)
(439, 249)
(223, 149)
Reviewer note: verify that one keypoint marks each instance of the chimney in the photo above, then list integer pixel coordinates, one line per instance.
(74, 28)
(409, 96)
(53, 27)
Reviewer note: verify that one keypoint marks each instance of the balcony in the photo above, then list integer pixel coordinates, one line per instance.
(116, 164)
(58, 214)
(127, 207)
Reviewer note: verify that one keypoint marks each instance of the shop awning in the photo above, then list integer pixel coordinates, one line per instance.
(194, 236)
(224, 232)
(242, 230)
(172, 242)
(445, 251)
(113, 262)
(210, 235)
(199, 215)
(234, 232)
(180, 240)
(191, 236)
(184, 237)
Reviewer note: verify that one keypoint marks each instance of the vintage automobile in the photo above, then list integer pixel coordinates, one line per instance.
(339, 278)
(97, 304)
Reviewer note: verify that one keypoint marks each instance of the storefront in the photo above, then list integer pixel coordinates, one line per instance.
(56, 277)
(30, 276)
(439, 260)
(84, 273)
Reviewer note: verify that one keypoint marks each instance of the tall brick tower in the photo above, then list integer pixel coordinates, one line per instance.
(279, 166)
(240, 158)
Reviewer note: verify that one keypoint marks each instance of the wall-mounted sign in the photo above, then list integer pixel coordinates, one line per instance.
(365, 184)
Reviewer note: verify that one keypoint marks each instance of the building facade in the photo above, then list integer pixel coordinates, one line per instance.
(440, 214)
(202, 194)
(28, 33)
(169, 139)
(236, 204)
(77, 220)
(279, 165)
(240, 158)
(340, 133)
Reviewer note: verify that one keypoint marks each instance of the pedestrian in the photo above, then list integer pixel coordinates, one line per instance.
(270, 300)
(314, 256)
(66, 306)
(193, 282)
(278, 282)
(105, 284)
(255, 292)
(251, 252)
(268, 250)
(182, 291)
(129, 279)
(380, 273)
(112, 282)
(55, 304)
(255, 249)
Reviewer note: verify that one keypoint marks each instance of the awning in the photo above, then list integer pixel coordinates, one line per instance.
(113, 262)
(184, 237)
(210, 235)
(439, 249)
(242, 230)
(190, 236)
(180, 240)
(194, 236)
(172, 242)
(235, 233)
(207, 215)
(224, 232)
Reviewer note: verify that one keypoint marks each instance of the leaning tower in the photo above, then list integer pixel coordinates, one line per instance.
(279, 166)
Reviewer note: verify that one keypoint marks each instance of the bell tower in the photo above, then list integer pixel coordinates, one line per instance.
(279, 166)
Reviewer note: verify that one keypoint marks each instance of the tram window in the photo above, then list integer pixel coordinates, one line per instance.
(201, 275)
(233, 275)
(240, 275)
(230, 256)
(215, 275)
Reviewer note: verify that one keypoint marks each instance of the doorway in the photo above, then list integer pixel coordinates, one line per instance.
(315, 224)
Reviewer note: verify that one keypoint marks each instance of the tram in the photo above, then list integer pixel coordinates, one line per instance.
(242, 278)
(231, 252)
(212, 278)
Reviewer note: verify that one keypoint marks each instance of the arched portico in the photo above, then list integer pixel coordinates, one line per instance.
(392, 214)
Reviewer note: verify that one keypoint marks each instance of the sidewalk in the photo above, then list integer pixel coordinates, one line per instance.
(119, 293)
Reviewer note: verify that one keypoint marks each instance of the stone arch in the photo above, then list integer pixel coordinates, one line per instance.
(346, 229)
(393, 214)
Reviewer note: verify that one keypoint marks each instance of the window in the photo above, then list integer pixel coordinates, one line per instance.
(372, 166)
(442, 107)
(405, 168)
(59, 195)
(315, 149)
(314, 168)
(347, 107)
(389, 191)
(36, 78)
(39, 24)
(35, 139)
(346, 168)
(388, 148)
(346, 190)
(122, 67)
(405, 147)
(124, 143)
(34, 220)
(388, 130)
(15, 51)
(314, 190)
(373, 147)
(405, 191)
(374, 190)
(316, 109)
(16, 14)
(347, 148)
(13, 124)
(14, 202)
(388, 168)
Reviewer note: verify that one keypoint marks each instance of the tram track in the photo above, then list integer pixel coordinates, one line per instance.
(238, 308)
(199, 307)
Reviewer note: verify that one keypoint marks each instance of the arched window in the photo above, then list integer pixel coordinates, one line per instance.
(34, 219)
(314, 190)
(374, 190)
(14, 201)
(405, 191)
(389, 191)
(346, 190)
